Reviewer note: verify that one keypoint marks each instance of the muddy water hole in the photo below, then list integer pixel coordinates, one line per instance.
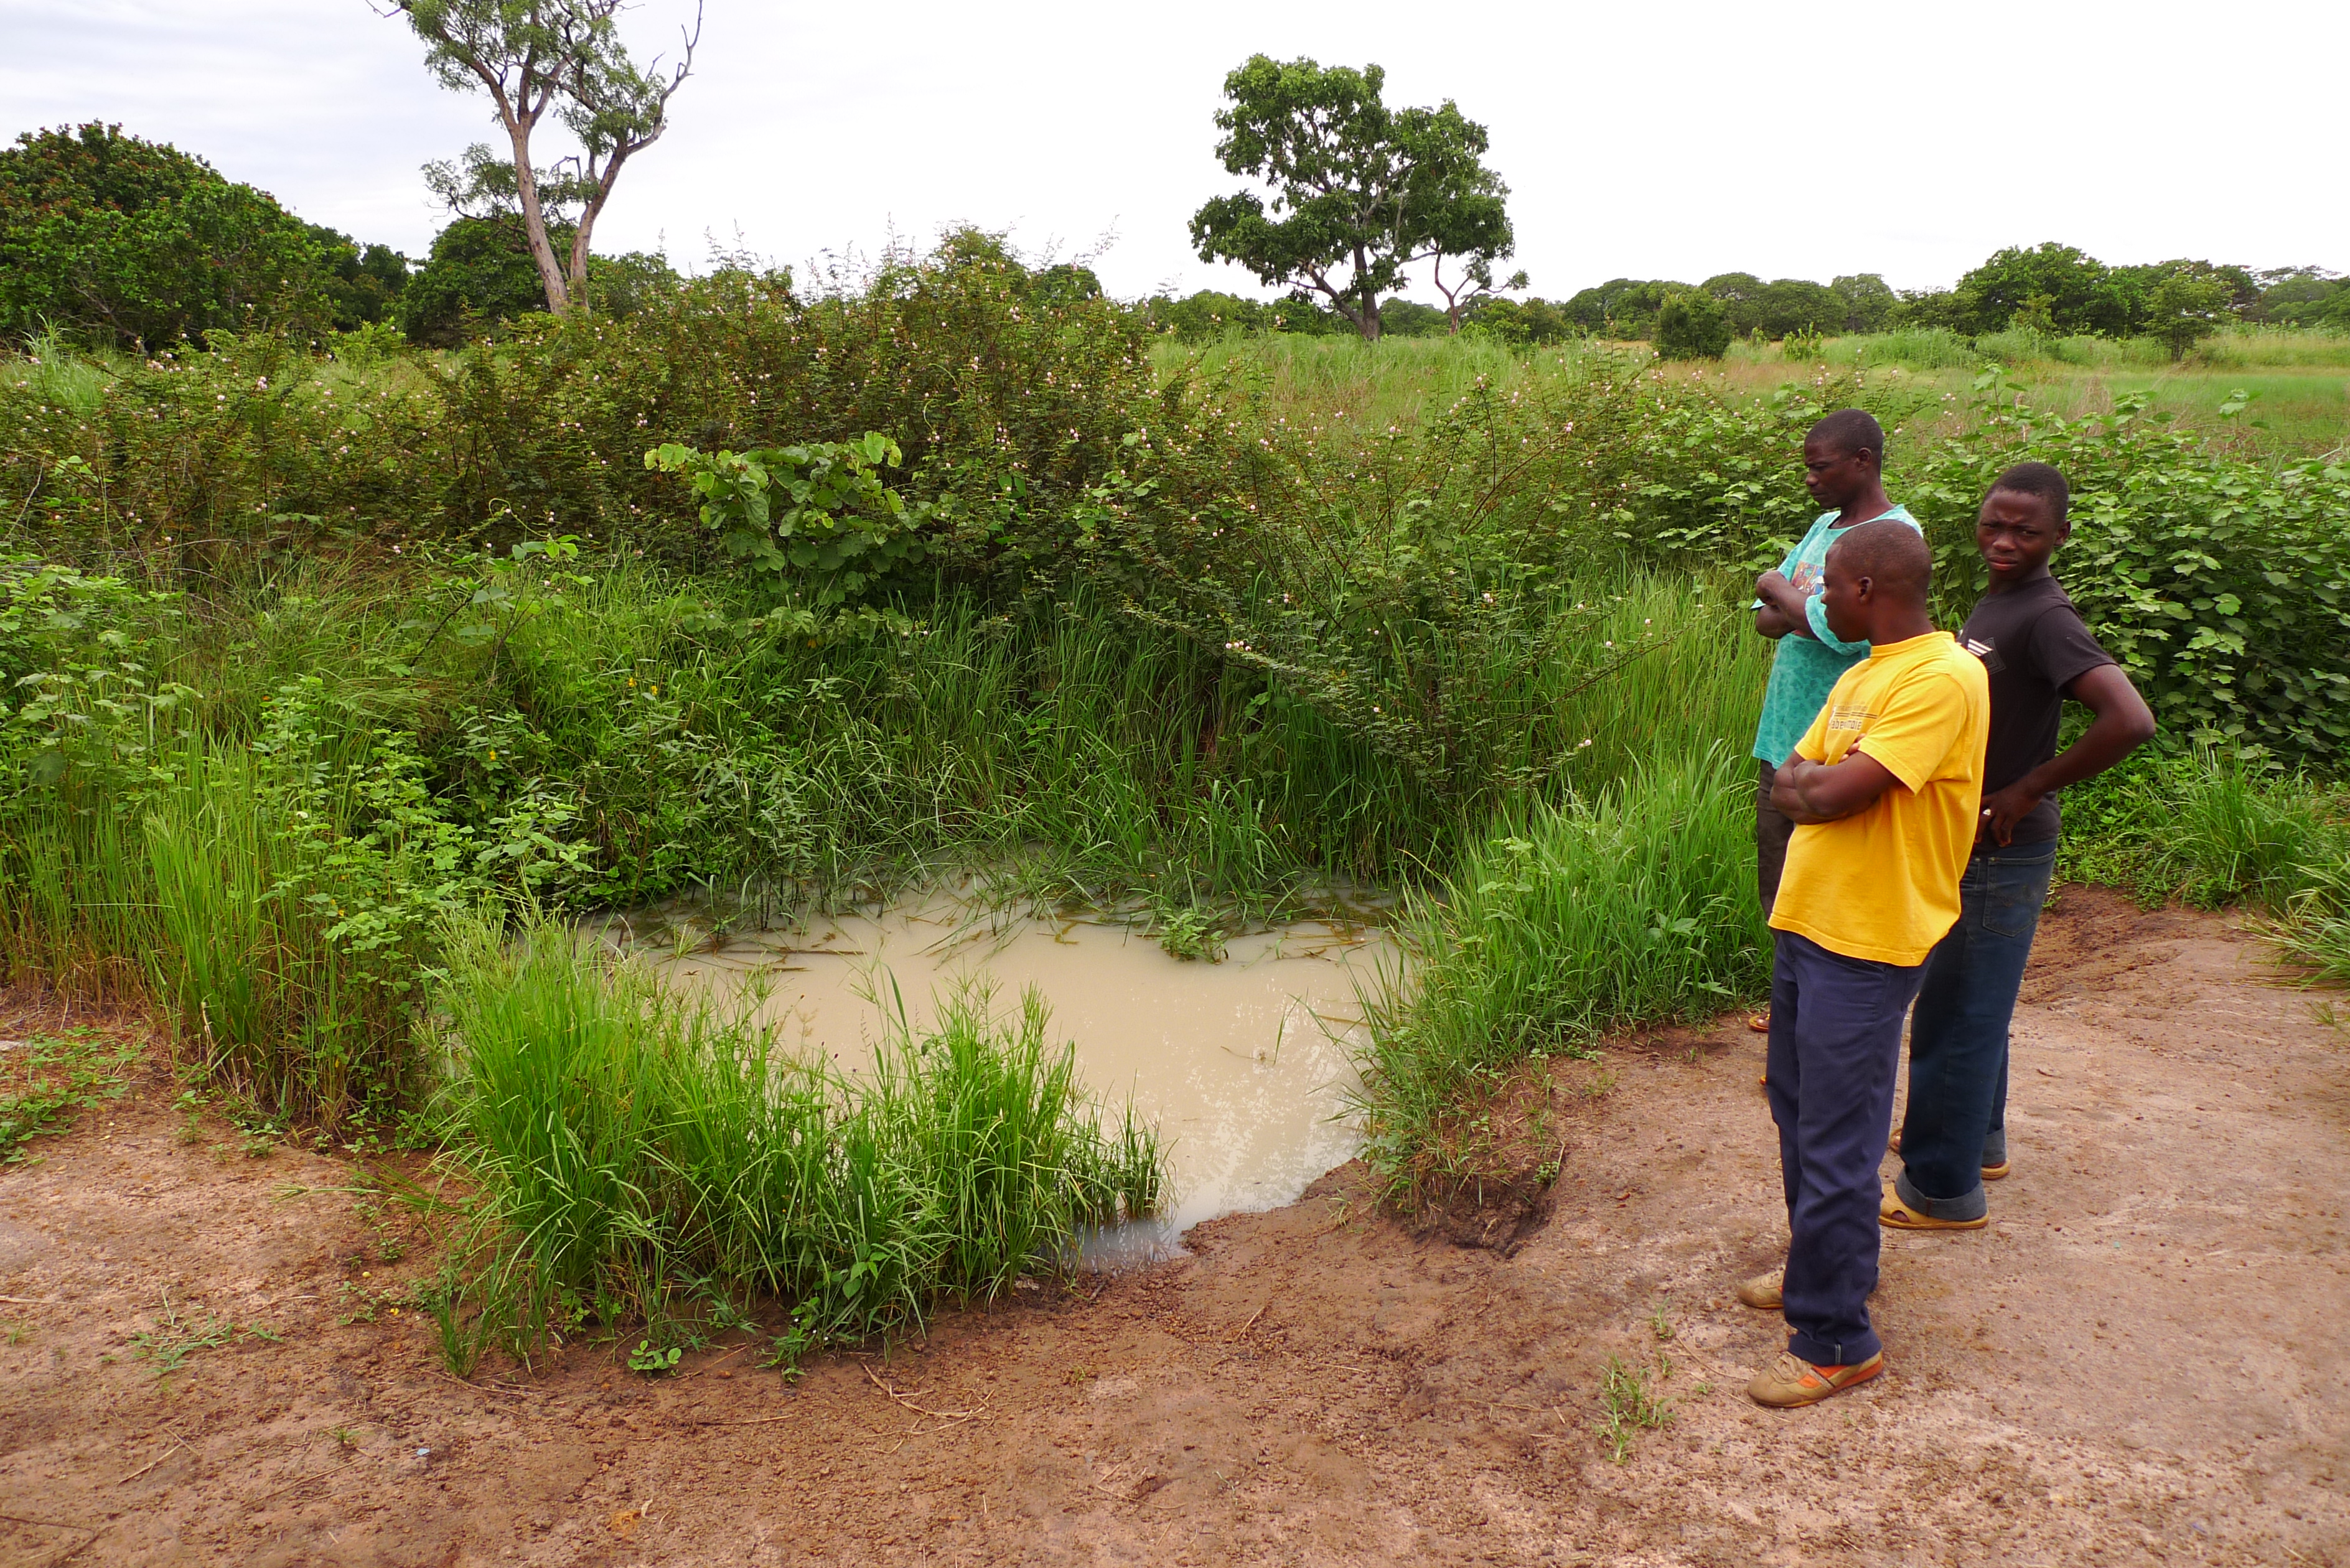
(1243, 1064)
(203, 1358)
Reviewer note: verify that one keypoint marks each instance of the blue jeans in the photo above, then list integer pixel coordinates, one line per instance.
(1835, 1047)
(1957, 1041)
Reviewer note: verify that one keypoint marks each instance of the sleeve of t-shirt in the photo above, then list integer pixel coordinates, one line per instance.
(2062, 647)
(1922, 720)
(1816, 611)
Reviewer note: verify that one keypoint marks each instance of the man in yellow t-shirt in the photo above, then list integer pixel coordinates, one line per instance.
(1884, 789)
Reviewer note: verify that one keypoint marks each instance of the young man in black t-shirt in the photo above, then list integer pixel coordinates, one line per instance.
(2038, 653)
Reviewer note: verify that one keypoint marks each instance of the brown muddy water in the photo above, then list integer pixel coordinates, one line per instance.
(1244, 1066)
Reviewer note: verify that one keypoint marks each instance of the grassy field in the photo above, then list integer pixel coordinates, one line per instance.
(2298, 380)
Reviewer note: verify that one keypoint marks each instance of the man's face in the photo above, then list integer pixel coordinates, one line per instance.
(1843, 597)
(1836, 478)
(2015, 536)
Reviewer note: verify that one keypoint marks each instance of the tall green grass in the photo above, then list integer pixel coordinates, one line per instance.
(217, 897)
(2215, 829)
(633, 1153)
(58, 373)
(1564, 923)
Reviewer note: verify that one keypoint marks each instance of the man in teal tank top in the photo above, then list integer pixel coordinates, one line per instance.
(1843, 468)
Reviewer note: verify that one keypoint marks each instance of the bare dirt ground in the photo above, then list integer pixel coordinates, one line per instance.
(2142, 1360)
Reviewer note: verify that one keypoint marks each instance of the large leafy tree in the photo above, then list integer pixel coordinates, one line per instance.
(2183, 306)
(142, 245)
(1622, 306)
(1692, 325)
(1360, 192)
(362, 283)
(2054, 288)
(1868, 300)
(563, 57)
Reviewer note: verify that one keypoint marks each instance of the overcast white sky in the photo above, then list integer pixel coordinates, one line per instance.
(1670, 138)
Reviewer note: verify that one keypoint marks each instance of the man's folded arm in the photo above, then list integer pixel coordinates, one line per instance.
(1810, 792)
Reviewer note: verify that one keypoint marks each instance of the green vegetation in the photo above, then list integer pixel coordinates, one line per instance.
(1566, 923)
(1691, 325)
(627, 1152)
(1630, 1403)
(176, 1335)
(45, 1079)
(335, 686)
(2213, 831)
(2052, 290)
(135, 243)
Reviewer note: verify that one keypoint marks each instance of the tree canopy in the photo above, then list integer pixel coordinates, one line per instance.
(1360, 192)
(140, 245)
(2061, 290)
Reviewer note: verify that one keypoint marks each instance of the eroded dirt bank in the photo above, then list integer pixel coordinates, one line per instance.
(2142, 1359)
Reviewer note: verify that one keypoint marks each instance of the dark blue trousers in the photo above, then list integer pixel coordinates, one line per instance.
(1957, 1043)
(1836, 1045)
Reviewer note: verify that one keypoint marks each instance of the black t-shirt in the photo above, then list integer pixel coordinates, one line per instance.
(2033, 645)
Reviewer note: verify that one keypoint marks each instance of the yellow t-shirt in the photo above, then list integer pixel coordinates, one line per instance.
(1883, 884)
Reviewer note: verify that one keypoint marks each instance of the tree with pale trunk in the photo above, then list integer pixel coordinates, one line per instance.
(564, 57)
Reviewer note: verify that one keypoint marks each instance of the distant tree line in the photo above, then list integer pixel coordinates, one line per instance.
(2054, 289)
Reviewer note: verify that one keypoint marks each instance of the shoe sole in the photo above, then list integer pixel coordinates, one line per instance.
(1876, 1369)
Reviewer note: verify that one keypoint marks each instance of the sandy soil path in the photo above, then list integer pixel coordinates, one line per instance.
(2142, 1360)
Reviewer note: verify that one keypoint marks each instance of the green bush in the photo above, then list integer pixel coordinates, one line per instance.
(479, 271)
(135, 244)
(1692, 325)
(2222, 586)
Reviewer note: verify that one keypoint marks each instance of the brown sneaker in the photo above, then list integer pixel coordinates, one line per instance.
(1761, 1291)
(1896, 1215)
(1791, 1382)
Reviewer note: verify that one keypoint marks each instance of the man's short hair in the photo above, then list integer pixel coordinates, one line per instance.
(1894, 554)
(1849, 430)
(2042, 480)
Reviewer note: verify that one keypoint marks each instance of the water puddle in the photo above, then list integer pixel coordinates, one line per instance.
(1243, 1065)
